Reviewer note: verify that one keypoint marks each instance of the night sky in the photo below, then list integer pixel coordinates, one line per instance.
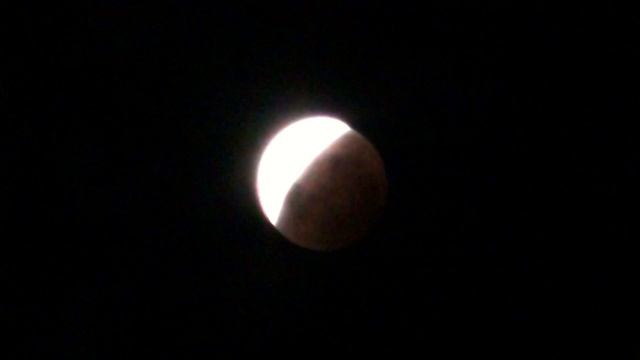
(506, 135)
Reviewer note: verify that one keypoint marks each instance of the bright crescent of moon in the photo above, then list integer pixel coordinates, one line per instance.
(287, 156)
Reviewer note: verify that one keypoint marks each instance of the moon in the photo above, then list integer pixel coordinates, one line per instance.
(321, 183)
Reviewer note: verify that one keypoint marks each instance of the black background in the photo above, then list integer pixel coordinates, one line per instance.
(507, 139)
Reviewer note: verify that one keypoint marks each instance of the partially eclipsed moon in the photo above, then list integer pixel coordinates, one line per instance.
(320, 183)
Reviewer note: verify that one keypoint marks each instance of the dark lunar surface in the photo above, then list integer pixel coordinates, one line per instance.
(132, 132)
(335, 200)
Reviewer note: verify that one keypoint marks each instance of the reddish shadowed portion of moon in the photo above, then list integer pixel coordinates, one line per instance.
(333, 203)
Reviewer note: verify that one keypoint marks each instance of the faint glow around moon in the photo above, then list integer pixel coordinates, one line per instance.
(287, 156)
